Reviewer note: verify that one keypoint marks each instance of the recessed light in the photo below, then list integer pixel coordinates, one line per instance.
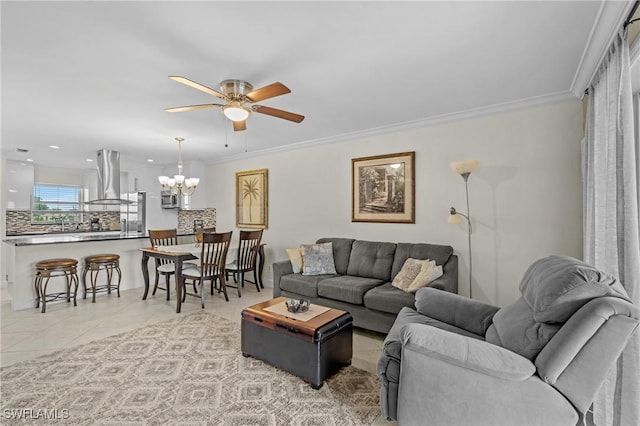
(13, 191)
(30, 160)
(150, 160)
(54, 147)
(89, 160)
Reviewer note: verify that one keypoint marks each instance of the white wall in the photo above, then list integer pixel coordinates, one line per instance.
(525, 196)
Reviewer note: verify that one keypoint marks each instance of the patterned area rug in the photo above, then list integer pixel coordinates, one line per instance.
(186, 371)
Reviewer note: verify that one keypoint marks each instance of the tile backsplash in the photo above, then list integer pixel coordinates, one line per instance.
(19, 222)
(187, 217)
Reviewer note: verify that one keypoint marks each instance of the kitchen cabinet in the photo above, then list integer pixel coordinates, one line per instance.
(18, 185)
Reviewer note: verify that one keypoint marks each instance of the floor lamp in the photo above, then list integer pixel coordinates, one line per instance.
(464, 169)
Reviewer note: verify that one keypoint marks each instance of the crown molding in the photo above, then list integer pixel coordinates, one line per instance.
(606, 26)
(520, 104)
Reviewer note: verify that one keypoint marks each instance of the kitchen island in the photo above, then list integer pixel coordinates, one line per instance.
(21, 254)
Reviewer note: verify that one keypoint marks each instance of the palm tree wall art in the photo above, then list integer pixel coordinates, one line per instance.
(251, 199)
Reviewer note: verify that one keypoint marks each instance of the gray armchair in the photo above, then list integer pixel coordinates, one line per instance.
(539, 361)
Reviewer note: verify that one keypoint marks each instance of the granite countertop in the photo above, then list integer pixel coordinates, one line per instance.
(57, 238)
(70, 238)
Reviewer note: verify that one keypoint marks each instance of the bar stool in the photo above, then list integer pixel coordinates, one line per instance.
(46, 269)
(95, 263)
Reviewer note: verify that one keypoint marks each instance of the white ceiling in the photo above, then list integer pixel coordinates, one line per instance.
(90, 75)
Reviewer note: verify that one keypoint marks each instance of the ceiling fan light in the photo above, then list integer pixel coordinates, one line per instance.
(235, 113)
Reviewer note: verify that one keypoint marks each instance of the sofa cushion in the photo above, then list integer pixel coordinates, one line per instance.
(317, 259)
(371, 259)
(304, 285)
(555, 287)
(346, 288)
(515, 328)
(389, 299)
(439, 253)
(341, 252)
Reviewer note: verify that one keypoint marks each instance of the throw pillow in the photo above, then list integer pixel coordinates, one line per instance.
(295, 257)
(410, 270)
(317, 259)
(430, 271)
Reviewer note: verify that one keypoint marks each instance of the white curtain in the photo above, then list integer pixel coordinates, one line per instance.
(610, 203)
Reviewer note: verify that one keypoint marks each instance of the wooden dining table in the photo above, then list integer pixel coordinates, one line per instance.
(179, 254)
(174, 254)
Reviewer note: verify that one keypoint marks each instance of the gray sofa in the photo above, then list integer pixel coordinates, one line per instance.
(538, 361)
(362, 285)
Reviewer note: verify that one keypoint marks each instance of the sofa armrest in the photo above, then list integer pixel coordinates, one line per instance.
(462, 312)
(280, 268)
(466, 352)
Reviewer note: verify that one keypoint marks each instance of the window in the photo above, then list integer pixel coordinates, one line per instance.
(56, 204)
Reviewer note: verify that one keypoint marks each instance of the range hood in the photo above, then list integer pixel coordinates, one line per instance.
(108, 179)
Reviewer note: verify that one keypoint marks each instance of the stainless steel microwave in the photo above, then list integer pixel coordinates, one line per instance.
(169, 200)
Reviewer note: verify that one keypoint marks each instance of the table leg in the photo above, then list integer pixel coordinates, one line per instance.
(260, 264)
(179, 284)
(145, 274)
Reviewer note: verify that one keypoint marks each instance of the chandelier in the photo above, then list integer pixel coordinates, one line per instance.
(178, 184)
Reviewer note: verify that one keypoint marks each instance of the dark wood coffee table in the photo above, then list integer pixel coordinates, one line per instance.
(312, 350)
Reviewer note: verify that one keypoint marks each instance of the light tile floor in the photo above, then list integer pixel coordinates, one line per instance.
(28, 333)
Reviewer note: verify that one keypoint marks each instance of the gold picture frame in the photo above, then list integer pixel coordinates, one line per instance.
(383, 188)
(252, 199)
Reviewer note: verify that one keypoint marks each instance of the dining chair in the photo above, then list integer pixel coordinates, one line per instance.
(213, 257)
(200, 231)
(198, 238)
(245, 259)
(163, 237)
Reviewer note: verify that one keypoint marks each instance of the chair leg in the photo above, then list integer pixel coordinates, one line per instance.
(84, 282)
(168, 286)
(36, 284)
(74, 279)
(223, 287)
(68, 287)
(255, 280)
(94, 277)
(117, 267)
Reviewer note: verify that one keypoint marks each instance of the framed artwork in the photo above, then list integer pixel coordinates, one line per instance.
(252, 202)
(383, 188)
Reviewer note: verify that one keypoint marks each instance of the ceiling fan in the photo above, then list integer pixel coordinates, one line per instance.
(241, 100)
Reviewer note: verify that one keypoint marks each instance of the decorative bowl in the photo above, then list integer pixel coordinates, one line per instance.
(296, 306)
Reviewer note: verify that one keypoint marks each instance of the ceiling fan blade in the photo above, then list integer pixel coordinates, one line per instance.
(239, 126)
(191, 107)
(278, 113)
(198, 86)
(266, 92)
